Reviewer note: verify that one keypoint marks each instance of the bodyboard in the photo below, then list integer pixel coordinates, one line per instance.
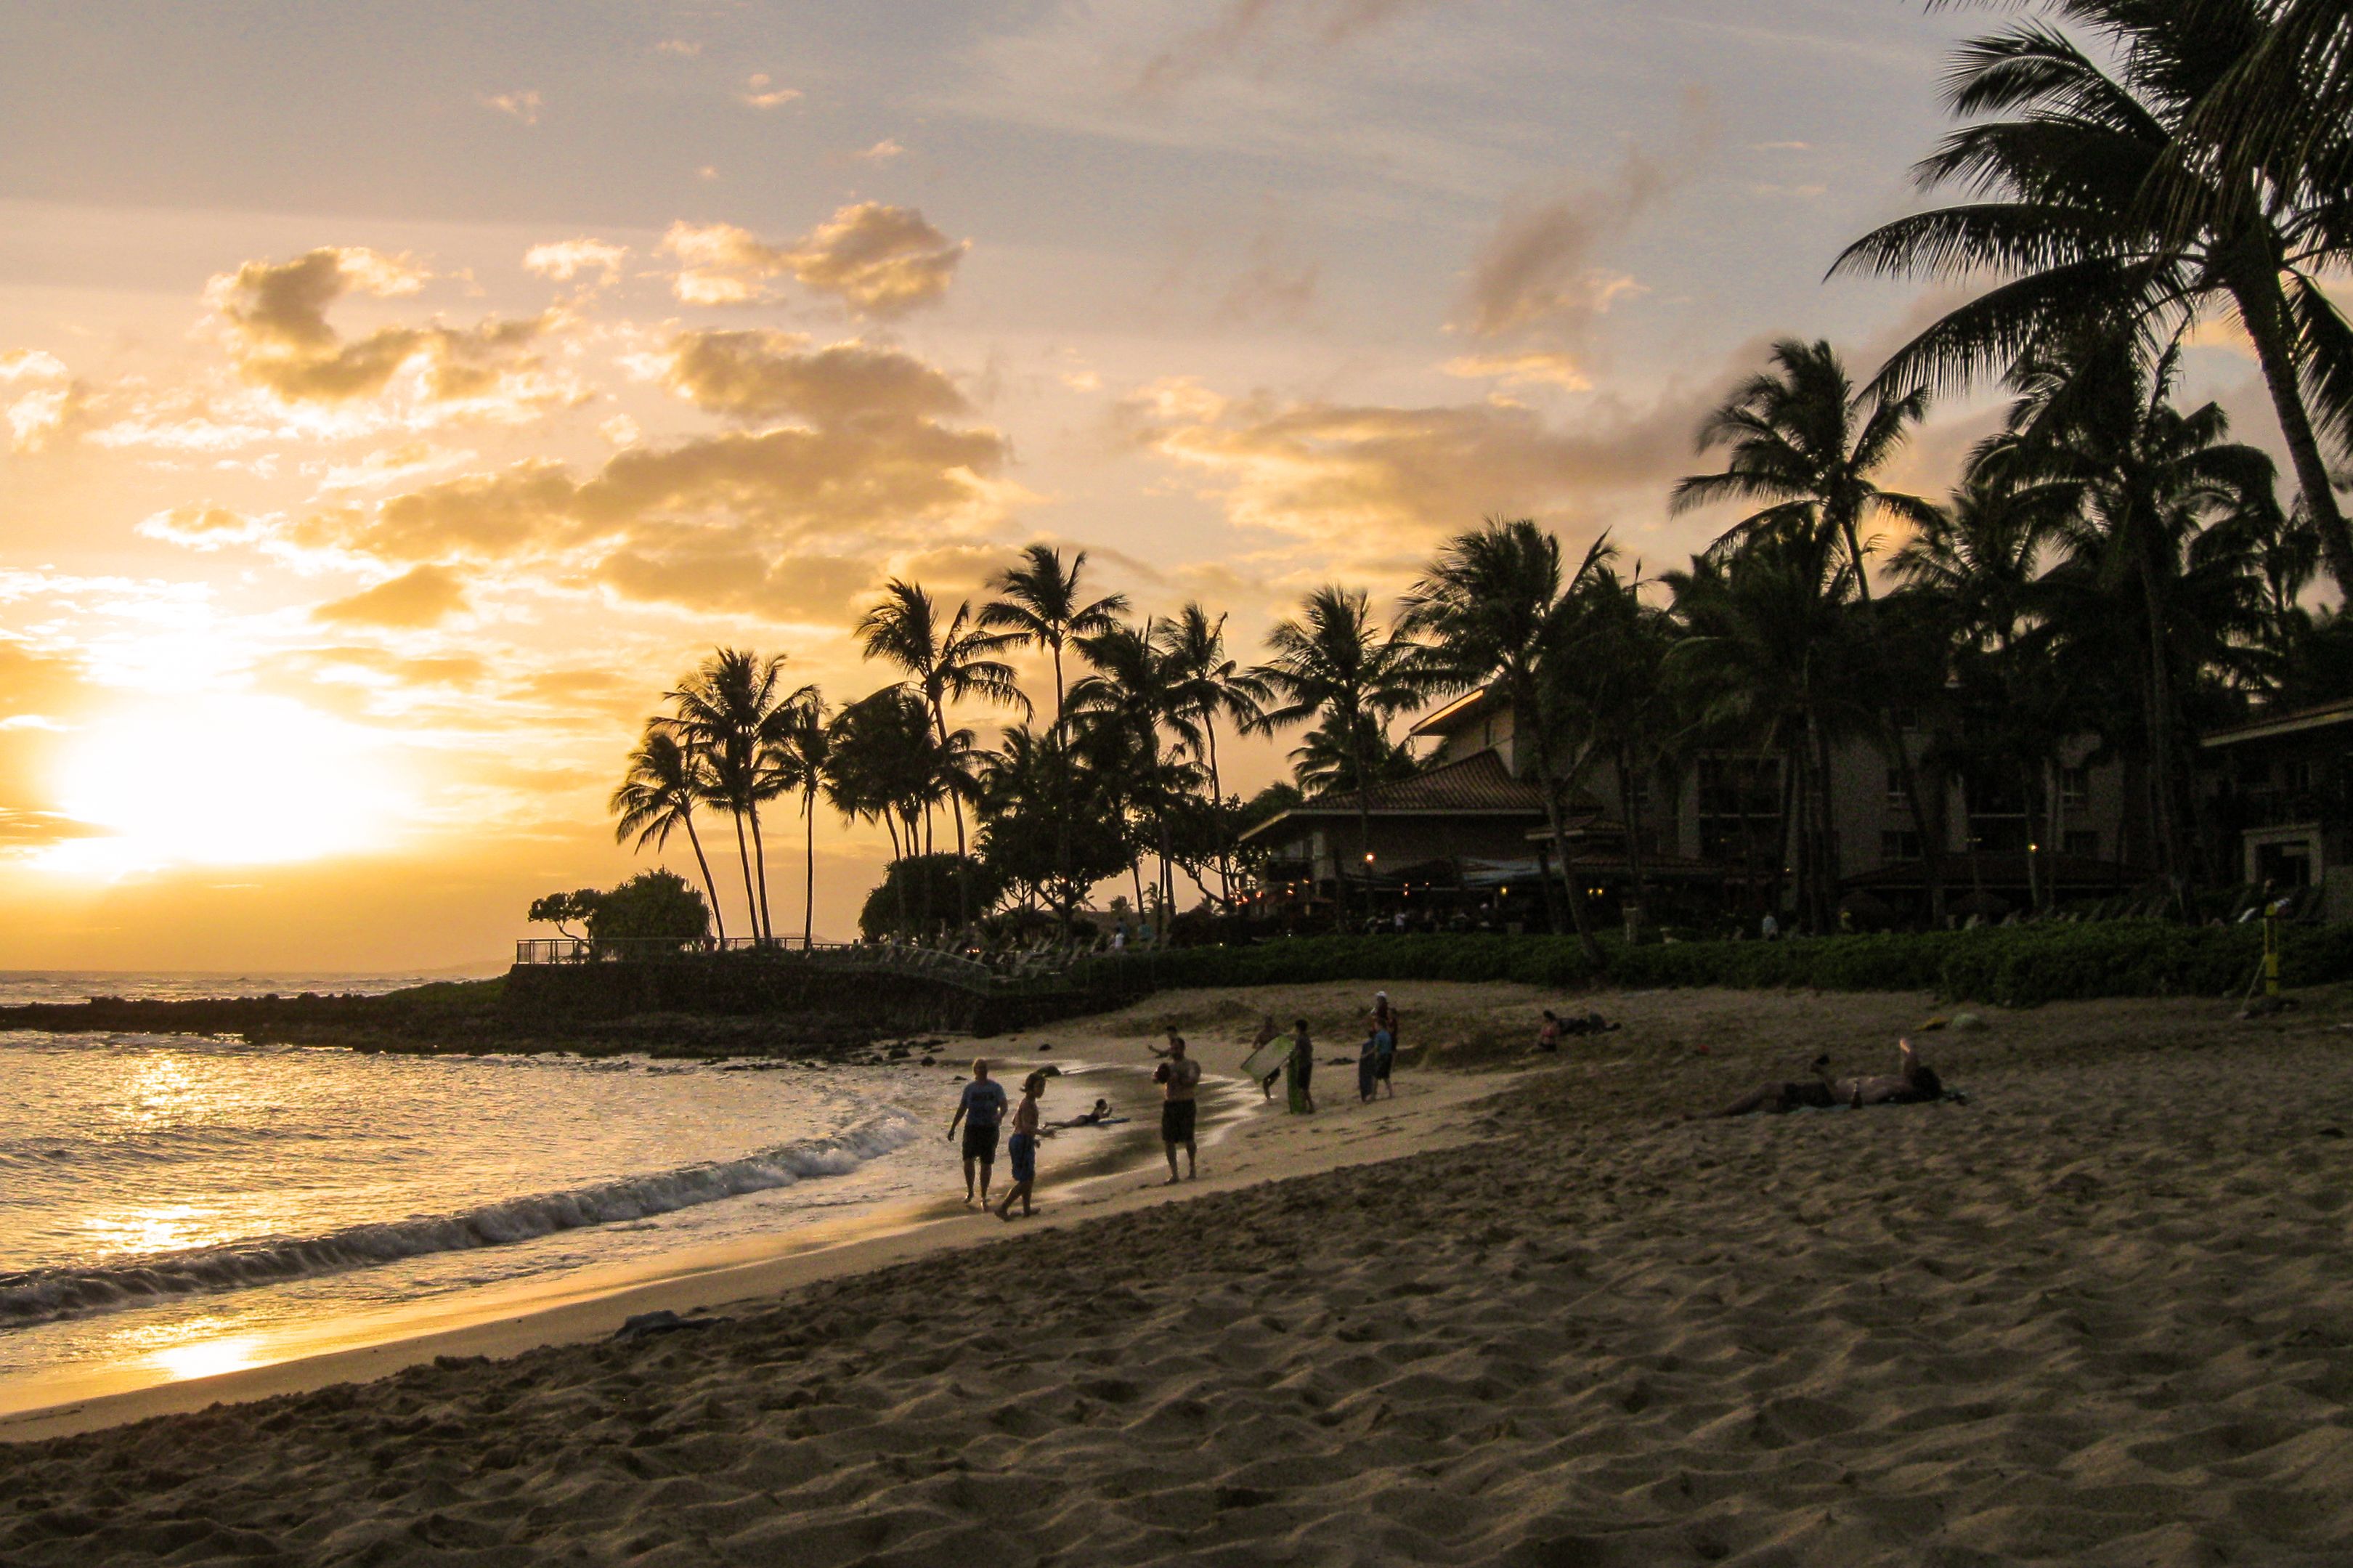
(1267, 1060)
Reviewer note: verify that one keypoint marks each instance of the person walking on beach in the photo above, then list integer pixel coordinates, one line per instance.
(981, 1108)
(1299, 1070)
(1365, 1067)
(1178, 1077)
(1021, 1148)
(1266, 1032)
(1384, 1041)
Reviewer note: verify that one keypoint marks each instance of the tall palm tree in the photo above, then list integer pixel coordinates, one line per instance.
(1131, 693)
(1206, 683)
(1802, 441)
(727, 709)
(660, 788)
(2141, 479)
(885, 768)
(1330, 662)
(952, 663)
(800, 753)
(1495, 609)
(1039, 604)
(2108, 202)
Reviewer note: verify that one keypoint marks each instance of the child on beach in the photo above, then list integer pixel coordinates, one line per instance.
(1365, 1059)
(1384, 1059)
(1299, 1070)
(1022, 1148)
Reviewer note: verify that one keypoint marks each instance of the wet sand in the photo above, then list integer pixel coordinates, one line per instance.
(2101, 1312)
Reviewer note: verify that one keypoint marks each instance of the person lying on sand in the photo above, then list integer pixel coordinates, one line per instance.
(1913, 1082)
(1099, 1116)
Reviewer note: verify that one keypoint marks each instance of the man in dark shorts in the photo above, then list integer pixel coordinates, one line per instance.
(980, 1109)
(1178, 1077)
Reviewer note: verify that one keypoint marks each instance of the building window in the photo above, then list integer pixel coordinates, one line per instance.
(1895, 793)
(2083, 842)
(1894, 845)
(2075, 787)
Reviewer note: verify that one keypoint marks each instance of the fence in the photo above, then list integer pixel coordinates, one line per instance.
(929, 964)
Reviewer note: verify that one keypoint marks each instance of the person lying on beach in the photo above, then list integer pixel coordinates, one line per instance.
(1913, 1082)
(1099, 1116)
(1022, 1147)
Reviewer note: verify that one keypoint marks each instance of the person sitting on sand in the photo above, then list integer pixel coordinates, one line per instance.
(1178, 1077)
(1266, 1031)
(1299, 1069)
(1022, 1147)
(1549, 1034)
(1913, 1082)
(980, 1109)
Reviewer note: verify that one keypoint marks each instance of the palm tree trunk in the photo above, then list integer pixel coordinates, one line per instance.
(1216, 816)
(760, 853)
(2026, 772)
(1794, 831)
(708, 886)
(1931, 875)
(1364, 816)
(808, 869)
(1633, 840)
(1062, 797)
(1825, 841)
(956, 804)
(896, 876)
(2263, 306)
(2160, 727)
(744, 853)
(1577, 914)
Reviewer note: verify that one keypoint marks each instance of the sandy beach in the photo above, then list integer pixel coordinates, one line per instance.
(2101, 1312)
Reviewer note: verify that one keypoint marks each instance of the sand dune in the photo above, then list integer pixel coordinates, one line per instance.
(2101, 1313)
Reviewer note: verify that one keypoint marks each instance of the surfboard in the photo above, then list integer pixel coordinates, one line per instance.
(1267, 1060)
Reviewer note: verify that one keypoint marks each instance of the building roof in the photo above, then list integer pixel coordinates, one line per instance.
(1457, 713)
(1478, 785)
(2300, 720)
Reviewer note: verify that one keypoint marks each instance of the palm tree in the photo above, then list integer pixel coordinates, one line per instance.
(1204, 682)
(2140, 479)
(952, 664)
(1039, 604)
(1129, 697)
(885, 768)
(1803, 442)
(659, 790)
(801, 755)
(2111, 205)
(726, 709)
(1330, 662)
(1497, 611)
(1326, 759)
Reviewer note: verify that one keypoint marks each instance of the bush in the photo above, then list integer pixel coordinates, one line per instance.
(2010, 966)
(650, 906)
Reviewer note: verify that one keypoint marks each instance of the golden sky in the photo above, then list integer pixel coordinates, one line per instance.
(394, 400)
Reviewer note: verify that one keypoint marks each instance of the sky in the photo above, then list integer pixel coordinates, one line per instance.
(395, 401)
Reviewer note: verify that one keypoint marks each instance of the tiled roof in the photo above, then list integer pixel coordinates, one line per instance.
(1479, 782)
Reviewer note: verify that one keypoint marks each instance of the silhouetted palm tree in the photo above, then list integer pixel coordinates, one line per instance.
(1206, 683)
(658, 794)
(726, 709)
(800, 754)
(1130, 697)
(954, 663)
(1330, 662)
(2110, 209)
(1801, 440)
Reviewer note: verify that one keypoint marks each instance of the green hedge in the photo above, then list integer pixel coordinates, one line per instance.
(2013, 965)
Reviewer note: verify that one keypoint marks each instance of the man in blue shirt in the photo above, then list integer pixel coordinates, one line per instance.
(980, 1109)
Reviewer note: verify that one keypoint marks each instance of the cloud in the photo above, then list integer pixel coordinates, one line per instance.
(783, 519)
(1273, 289)
(1531, 367)
(765, 375)
(524, 106)
(882, 261)
(1372, 477)
(1245, 25)
(424, 596)
(882, 152)
(1537, 282)
(281, 339)
(688, 47)
(31, 364)
(759, 93)
(202, 526)
(565, 260)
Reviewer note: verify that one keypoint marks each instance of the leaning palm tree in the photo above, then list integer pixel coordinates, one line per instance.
(1800, 440)
(952, 663)
(799, 754)
(1496, 610)
(1205, 683)
(726, 709)
(1330, 662)
(2107, 200)
(658, 791)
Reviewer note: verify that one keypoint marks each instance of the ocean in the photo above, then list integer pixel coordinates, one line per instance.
(172, 1205)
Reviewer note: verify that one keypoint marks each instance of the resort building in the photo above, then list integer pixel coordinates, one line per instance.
(1704, 840)
(2280, 795)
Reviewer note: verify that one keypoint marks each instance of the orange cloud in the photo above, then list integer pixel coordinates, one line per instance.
(423, 596)
(565, 260)
(281, 340)
(202, 526)
(761, 375)
(881, 261)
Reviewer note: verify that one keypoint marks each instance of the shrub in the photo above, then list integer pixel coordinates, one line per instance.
(2012, 965)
